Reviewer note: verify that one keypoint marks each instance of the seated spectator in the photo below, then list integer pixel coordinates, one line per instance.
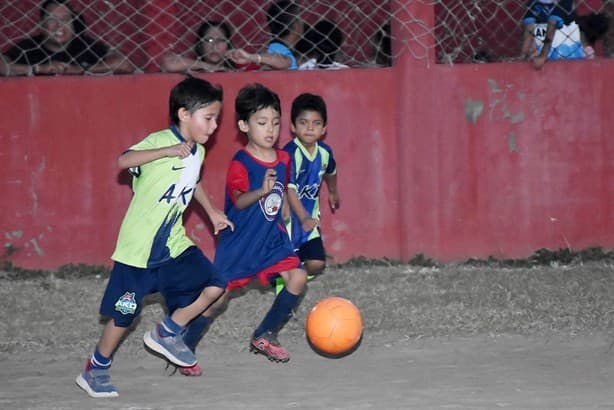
(62, 47)
(212, 45)
(286, 28)
(593, 27)
(320, 47)
(550, 32)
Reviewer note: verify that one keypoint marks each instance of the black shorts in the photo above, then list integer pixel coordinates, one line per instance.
(312, 250)
(180, 281)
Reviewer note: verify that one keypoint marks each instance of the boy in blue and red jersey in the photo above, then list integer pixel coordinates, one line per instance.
(259, 248)
(312, 162)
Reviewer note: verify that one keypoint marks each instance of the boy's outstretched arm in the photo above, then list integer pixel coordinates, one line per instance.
(538, 61)
(219, 220)
(333, 194)
(307, 222)
(135, 158)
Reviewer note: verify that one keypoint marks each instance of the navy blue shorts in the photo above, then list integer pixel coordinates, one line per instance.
(180, 281)
(312, 250)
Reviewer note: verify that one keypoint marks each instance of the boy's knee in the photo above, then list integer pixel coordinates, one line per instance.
(315, 267)
(218, 306)
(298, 280)
(215, 292)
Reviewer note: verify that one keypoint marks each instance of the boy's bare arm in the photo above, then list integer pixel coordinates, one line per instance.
(218, 219)
(308, 223)
(539, 60)
(134, 158)
(528, 42)
(295, 204)
(333, 194)
(243, 200)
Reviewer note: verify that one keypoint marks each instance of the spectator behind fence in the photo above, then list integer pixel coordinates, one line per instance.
(320, 47)
(63, 47)
(550, 32)
(593, 28)
(212, 45)
(286, 28)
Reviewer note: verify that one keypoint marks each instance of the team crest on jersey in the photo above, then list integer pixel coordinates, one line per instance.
(126, 305)
(271, 203)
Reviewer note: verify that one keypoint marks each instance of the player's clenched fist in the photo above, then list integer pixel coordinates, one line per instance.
(180, 150)
(270, 177)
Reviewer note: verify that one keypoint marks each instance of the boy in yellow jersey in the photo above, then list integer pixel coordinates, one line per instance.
(153, 253)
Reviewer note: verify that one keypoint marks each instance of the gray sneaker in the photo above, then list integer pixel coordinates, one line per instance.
(171, 347)
(97, 383)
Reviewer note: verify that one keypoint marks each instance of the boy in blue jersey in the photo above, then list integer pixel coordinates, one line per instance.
(550, 32)
(312, 163)
(153, 253)
(259, 247)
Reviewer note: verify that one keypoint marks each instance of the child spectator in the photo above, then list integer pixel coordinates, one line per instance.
(212, 45)
(286, 28)
(259, 247)
(312, 162)
(63, 47)
(550, 32)
(320, 46)
(153, 253)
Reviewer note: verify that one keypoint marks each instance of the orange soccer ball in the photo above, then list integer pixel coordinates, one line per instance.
(334, 326)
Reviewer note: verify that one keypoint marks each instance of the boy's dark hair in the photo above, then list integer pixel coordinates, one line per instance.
(192, 94)
(255, 97)
(78, 22)
(308, 102)
(280, 17)
(593, 26)
(322, 42)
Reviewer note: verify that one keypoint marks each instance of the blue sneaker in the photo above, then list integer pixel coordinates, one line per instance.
(97, 383)
(171, 347)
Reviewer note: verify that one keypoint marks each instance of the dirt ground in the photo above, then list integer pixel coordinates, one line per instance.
(49, 327)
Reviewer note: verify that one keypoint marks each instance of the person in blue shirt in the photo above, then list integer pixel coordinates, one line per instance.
(312, 163)
(550, 32)
(286, 28)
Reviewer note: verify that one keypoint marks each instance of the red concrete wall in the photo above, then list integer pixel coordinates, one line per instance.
(64, 196)
(533, 170)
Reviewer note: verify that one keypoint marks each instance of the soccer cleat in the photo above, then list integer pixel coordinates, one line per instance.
(268, 345)
(193, 371)
(96, 383)
(171, 347)
(279, 285)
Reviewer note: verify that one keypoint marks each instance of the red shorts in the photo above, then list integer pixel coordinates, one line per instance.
(264, 276)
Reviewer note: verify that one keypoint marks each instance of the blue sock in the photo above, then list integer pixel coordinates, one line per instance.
(169, 328)
(194, 331)
(278, 314)
(98, 361)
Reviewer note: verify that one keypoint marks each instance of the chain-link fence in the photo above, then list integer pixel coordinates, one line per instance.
(146, 32)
